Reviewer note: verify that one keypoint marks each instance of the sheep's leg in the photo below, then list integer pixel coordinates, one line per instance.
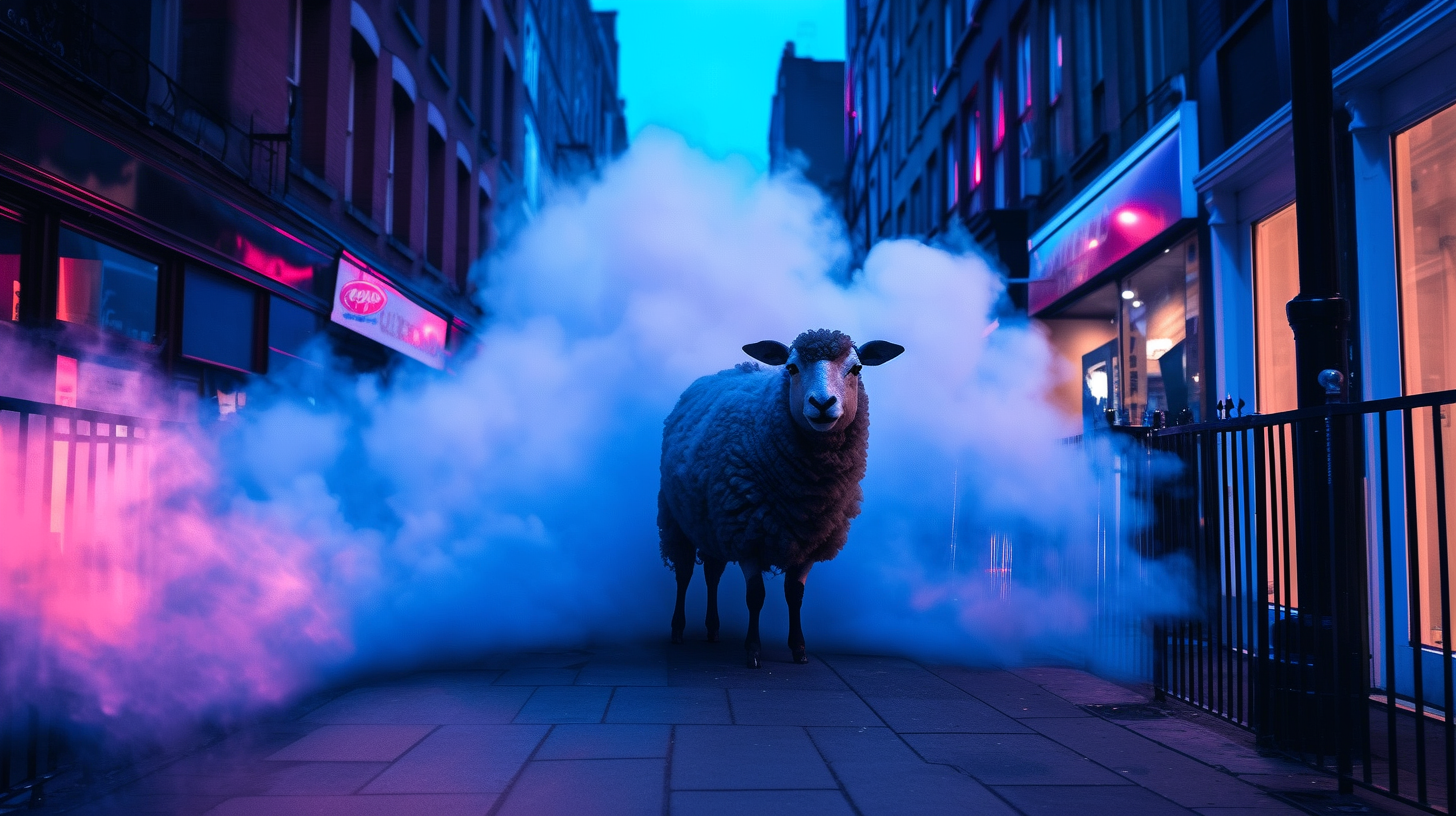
(794, 579)
(712, 571)
(684, 569)
(753, 577)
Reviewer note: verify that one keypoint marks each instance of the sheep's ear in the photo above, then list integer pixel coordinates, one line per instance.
(876, 352)
(768, 351)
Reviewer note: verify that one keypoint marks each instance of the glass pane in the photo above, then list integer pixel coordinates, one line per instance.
(104, 287)
(1155, 367)
(217, 319)
(10, 236)
(1276, 282)
(1425, 157)
(290, 326)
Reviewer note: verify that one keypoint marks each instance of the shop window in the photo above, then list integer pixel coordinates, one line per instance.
(10, 241)
(1425, 159)
(218, 319)
(1159, 365)
(101, 286)
(1276, 282)
(290, 329)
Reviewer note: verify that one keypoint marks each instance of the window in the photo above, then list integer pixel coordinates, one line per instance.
(217, 319)
(973, 151)
(401, 163)
(439, 34)
(290, 328)
(531, 164)
(435, 200)
(998, 139)
(295, 40)
(951, 171)
(947, 28)
(462, 223)
(1054, 57)
(359, 127)
(1425, 156)
(11, 238)
(484, 213)
(487, 78)
(1023, 70)
(1159, 365)
(101, 286)
(469, 11)
(310, 101)
(508, 115)
(531, 61)
(1276, 282)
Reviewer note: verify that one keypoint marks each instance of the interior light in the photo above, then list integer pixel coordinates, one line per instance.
(1158, 346)
(1166, 251)
(1137, 304)
(1092, 244)
(1128, 294)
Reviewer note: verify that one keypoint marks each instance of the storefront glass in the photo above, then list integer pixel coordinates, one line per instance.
(9, 270)
(1425, 192)
(102, 286)
(1276, 282)
(1160, 360)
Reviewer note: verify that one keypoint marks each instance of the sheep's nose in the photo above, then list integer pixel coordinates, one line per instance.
(823, 406)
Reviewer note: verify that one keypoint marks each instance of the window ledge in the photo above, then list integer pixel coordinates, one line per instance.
(465, 110)
(409, 26)
(401, 247)
(1094, 153)
(363, 220)
(314, 181)
(439, 71)
(433, 270)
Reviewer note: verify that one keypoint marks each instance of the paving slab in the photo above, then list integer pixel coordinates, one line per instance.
(891, 677)
(861, 745)
(1013, 696)
(606, 741)
(669, 705)
(129, 804)
(566, 704)
(879, 789)
(1211, 747)
(1013, 759)
(964, 715)
(537, 677)
(623, 674)
(437, 805)
(428, 705)
(726, 673)
(462, 759)
(600, 787)
(354, 743)
(1059, 800)
(760, 803)
(746, 757)
(800, 707)
(1079, 687)
(321, 778)
(1183, 780)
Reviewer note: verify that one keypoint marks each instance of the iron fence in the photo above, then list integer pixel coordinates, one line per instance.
(60, 469)
(1319, 545)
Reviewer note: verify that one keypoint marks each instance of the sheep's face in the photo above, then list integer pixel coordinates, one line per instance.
(823, 368)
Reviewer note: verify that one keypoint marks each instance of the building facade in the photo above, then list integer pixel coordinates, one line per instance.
(1128, 164)
(806, 124)
(191, 191)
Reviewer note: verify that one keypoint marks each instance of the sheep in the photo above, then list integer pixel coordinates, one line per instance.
(762, 466)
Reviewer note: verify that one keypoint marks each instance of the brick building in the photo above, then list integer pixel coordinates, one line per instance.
(188, 188)
(806, 126)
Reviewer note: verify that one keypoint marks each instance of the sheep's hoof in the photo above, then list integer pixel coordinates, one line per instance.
(801, 655)
(753, 660)
(677, 636)
(712, 636)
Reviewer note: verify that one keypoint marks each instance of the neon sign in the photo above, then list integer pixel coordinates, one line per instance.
(367, 304)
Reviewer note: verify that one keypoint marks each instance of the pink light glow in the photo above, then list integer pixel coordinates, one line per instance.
(266, 263)
(1127, 218)
(1092, 244)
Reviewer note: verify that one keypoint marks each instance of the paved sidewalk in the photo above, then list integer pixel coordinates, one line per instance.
(687, 731)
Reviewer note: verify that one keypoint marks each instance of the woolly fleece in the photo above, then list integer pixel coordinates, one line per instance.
(740, 479)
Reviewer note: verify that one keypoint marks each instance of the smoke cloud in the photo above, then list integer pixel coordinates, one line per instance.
(342, 525)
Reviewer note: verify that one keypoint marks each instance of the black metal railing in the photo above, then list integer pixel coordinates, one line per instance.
(1319, 545)
(67, 35)
(59, 468)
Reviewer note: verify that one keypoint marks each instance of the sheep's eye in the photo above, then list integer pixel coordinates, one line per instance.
(854, 372)
(792, 369)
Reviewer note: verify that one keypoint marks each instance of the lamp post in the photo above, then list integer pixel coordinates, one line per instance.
(1330, 525)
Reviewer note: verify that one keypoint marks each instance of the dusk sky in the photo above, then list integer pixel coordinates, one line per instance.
(706, 68)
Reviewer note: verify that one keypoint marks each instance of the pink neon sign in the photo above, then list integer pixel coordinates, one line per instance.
(367, 304)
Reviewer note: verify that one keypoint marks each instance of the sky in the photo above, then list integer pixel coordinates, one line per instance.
(706, 68)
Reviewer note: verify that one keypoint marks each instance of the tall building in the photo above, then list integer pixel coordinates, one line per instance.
(806, 127)
(1109, 155)
(190, 191)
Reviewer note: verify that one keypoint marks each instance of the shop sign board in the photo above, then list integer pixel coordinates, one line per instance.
(367, 304)
(1138, 202)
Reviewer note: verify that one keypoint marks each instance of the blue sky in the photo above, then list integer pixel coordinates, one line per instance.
(706, 68)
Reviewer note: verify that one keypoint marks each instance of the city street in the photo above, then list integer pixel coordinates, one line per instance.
(686, 730)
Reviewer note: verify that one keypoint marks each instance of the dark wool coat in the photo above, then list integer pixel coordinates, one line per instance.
(740, 479)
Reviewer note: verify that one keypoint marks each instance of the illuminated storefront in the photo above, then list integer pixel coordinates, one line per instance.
(1115, 278)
